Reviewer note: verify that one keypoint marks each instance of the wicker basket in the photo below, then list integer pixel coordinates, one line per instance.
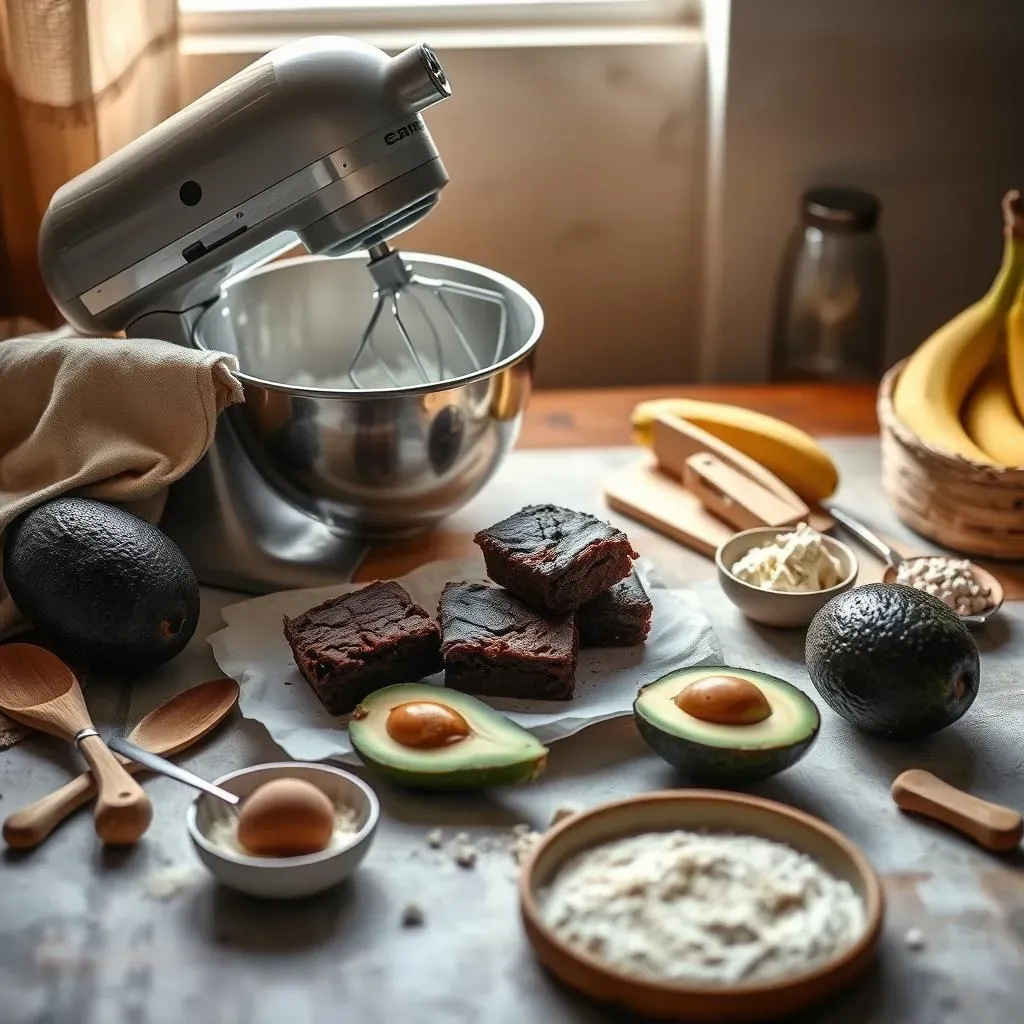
(973, 509)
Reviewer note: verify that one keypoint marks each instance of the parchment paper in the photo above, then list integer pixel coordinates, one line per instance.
(252, 650)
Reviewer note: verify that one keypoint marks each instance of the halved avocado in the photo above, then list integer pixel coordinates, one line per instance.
(430, 737)
(723, 724)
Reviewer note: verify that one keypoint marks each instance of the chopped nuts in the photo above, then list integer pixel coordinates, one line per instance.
(951, 580)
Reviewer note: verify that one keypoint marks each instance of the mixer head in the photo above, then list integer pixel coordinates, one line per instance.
(321, 140)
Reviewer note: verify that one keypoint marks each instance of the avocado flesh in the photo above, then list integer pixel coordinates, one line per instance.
(726, 753)
(497, 752)
(893, 661)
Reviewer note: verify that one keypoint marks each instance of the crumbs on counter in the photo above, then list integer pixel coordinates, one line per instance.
(464, 854)
(517, 842)
(563, 811)
(915, 939)
(413, 916)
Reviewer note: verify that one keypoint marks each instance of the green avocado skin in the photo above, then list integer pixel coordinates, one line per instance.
(496, 753)
(101, 584)
(893, 661)
(701, 763)
(459, 779)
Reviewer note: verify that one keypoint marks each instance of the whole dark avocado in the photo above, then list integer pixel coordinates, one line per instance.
(893, 660)
(100, 583)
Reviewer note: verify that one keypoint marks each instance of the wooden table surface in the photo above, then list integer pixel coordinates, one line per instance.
(87, 936)
(600, 418)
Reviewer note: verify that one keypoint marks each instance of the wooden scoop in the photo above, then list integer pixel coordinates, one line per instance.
(168, 729)
(990, 825)
(40, 691)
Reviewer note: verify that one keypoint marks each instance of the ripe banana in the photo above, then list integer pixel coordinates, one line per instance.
(935, 381)
(1015, 349)
(793, 456)
(991, 418)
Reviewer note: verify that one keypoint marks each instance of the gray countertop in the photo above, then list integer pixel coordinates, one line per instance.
(85, 940)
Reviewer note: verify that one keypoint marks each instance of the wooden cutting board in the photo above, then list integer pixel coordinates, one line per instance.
(674, 442)
(643, 492)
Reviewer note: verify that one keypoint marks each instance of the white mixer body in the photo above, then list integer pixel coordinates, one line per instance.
(321, 140)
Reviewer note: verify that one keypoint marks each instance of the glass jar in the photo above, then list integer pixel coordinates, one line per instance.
(830, 320)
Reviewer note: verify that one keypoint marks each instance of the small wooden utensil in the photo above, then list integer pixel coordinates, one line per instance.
(641, 491)
(735, 497)
(39, 690)
(990, 825)
(172, 727)
(674, 440)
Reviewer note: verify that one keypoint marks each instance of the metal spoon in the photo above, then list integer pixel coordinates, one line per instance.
(39, 690)
(893, 560)
(156, 763)
(175, 725)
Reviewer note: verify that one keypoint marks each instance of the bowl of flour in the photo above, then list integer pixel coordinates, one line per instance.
(702, 905)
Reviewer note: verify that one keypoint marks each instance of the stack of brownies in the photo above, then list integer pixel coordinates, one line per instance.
(564, 579)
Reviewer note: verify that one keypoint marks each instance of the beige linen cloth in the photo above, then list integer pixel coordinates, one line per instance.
(107, 418)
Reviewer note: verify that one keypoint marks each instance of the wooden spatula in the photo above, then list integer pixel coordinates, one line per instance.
(40, 691)
(674, 441)
(990, 825)
(735, 497)
(657, 500)
(174, 725)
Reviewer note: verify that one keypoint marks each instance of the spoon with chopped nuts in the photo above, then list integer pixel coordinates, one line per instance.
(972, 592)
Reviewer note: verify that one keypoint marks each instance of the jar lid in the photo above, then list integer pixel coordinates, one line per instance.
(841, 209)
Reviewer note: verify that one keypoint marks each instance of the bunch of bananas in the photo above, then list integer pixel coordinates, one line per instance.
(962, 391)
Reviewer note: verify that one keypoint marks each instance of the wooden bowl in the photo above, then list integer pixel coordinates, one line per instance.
(700, 810)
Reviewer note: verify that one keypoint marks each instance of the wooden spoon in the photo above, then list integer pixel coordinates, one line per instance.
(39, 690)
(168, 729)
(993, 826)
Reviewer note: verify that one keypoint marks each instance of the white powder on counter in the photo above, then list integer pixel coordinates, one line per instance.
(712, 909)
(169, 882)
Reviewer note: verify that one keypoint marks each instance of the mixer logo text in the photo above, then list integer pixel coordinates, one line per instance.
(407, 130)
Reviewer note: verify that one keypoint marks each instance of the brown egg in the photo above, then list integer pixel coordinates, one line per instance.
(724, 700)
(285, 818)
(425, 724)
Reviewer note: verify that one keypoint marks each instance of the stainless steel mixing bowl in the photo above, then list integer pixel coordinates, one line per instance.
(376, 463)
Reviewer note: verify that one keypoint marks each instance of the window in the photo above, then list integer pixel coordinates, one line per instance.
(306, 17)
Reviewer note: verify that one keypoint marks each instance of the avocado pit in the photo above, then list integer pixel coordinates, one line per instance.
(425, 725)
(724, 700)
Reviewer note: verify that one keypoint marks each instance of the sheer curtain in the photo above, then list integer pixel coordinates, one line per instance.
(78, 79)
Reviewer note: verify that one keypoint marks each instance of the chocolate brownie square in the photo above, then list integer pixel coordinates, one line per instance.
(351, 645)
(620, 617)
(555, 559)
(493, 644)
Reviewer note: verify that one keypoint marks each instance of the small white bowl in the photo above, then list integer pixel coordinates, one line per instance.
(280, 878)
(775, 607)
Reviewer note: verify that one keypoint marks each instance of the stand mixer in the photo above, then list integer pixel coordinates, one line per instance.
(370, 412)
